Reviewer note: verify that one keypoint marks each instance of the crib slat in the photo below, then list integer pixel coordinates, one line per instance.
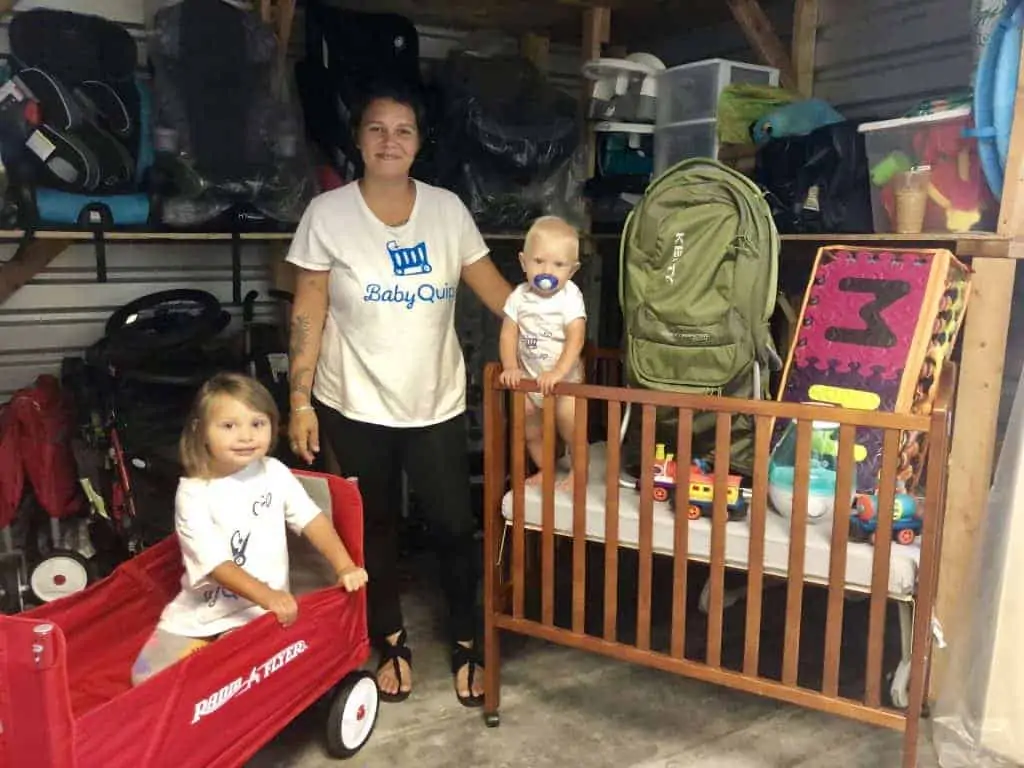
(611, 520)
(547, 567)
(886, 500)
(797, 552)
(837, 564)
(518, 449)
(580, 459)
(931, 546)
(643, 614)
(755, 557)
(719, 518)
(680, 541)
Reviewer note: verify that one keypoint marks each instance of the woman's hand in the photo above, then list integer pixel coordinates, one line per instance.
(304, 433)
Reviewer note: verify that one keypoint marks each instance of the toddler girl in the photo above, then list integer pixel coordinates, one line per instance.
(231, 509)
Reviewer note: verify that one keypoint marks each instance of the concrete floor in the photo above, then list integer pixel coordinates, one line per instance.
(565, 707)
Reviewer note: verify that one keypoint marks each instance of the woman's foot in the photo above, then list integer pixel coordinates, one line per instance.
(394, 671)
(468, 669)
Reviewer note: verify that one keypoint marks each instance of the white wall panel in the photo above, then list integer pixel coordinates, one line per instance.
(64, 309)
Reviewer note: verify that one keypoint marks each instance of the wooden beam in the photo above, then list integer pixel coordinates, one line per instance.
(597, 30)
(31, 258)
(805, 36)
(762, 36)
(972, 454)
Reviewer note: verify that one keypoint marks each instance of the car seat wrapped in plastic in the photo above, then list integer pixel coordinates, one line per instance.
(225, 132)
(88, 144)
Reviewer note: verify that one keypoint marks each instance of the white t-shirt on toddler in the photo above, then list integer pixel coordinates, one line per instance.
(542, 321)
(389, 353)
(238, 518)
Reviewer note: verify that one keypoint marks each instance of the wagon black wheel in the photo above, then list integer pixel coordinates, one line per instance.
(353, 714)
(165, 319)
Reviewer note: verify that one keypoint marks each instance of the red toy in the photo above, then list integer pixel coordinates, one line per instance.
(66, 699)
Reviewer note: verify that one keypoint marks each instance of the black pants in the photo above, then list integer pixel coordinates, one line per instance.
(435, 461)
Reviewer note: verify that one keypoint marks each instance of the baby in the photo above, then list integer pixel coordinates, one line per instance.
(544, 330)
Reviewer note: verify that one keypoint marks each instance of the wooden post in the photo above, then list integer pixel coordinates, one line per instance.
(31, 258)
(762, 36)
(805, 35)
(597, 27)
(976, 417)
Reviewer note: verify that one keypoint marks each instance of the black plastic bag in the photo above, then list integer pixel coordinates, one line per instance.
(818, 182)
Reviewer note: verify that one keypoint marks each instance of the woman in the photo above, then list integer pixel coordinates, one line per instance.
(377, 371)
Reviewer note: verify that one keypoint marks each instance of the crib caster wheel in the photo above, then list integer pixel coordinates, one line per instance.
(492, 719)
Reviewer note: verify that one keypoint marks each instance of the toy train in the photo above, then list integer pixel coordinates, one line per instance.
(701, 488)
(906, 517)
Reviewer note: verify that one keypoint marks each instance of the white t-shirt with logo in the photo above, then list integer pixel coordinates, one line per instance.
(389, 353)
(239, 518)
(542, 321)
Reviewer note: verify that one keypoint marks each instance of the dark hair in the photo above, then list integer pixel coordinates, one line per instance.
(397, 91)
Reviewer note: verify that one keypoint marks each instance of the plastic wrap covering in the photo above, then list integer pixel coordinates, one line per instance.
(229, 139)
(508, 142)
(979, 717)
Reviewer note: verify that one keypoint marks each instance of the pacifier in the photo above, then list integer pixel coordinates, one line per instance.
(545, 282)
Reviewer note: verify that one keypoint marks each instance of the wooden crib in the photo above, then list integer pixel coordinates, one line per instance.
(601, 512)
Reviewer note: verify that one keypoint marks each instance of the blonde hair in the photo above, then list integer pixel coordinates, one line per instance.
(192, 449)
(554, 229)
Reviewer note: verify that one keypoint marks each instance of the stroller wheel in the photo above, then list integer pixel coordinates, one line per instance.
(353, 714)
(61, 573)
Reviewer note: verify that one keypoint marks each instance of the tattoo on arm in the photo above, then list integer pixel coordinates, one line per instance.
(301, 377)
(300, 335)
(301, 381)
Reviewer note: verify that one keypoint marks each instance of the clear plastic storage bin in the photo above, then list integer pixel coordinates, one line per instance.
(926, 175)
(673, 143)
(691, 91)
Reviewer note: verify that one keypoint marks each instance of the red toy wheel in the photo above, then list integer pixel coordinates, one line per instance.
(905, 536)
(660, 494)
(693, 512)
(353, 714)
(865, 508)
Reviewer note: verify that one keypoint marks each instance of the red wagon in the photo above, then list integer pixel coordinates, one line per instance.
(66, 699)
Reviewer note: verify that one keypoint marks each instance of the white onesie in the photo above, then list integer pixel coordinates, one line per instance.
(542, 321)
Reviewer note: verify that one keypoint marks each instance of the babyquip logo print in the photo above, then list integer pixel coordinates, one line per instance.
(409, 262)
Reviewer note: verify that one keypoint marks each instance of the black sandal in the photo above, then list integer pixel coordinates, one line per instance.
(461, 656)
(392, 653)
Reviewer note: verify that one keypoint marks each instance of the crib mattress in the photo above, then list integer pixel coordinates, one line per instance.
(904, 559)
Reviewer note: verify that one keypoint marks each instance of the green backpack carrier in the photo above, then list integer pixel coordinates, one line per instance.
(698, 283)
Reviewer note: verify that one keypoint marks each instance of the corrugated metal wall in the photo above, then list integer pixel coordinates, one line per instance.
(64, 309)
(874, 58)
(877, 58)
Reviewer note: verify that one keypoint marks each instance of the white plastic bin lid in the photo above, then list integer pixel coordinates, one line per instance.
(900, 122)
(607, 126)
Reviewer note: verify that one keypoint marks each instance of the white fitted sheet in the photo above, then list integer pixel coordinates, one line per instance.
(904, 559)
